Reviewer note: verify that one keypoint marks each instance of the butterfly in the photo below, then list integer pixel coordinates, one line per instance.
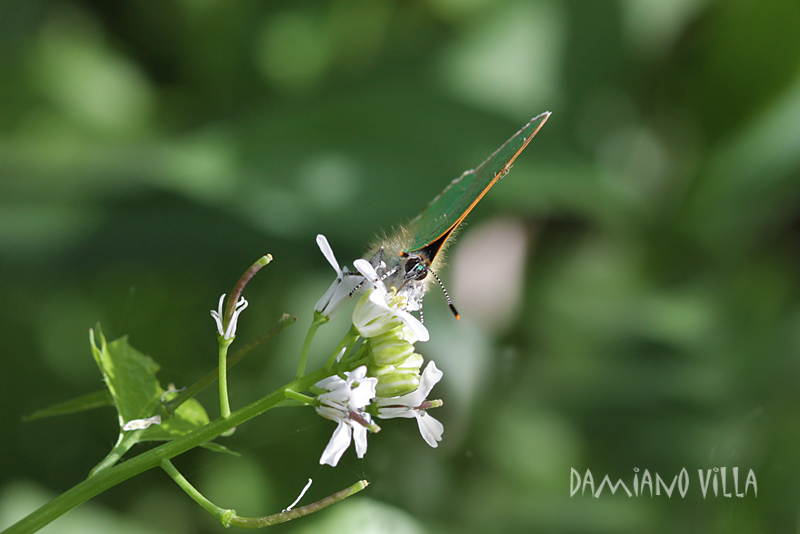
(405, 260)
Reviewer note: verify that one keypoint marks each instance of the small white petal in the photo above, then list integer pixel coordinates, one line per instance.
(326, 298)
(336, 398)
(140, 424)
(366, 268)
(322, 243)
(365, 392)
(378, 298)
(360, 437)
(417, 328)
(337, 295)
(430, 377)
(391, 412)
(337, 445)
(240, 307)
(334, 413)
(217, 315)
(331, 383)
(372, 318)
(430, 428)
(356, 375)
(340, 290)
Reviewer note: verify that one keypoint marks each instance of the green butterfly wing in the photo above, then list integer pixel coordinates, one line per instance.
(451, 206)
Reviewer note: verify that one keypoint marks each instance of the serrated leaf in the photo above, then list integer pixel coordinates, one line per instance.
(135, 391)
(129, 375)
(89, 401)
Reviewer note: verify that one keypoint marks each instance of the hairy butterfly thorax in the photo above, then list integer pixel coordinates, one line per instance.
(411, 273)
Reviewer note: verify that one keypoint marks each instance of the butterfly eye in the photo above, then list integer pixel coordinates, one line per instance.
(415, 268)
(411, 264)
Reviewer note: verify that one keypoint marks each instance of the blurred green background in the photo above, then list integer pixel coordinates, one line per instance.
(629, 291)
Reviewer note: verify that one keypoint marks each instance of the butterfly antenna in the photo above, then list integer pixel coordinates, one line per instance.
(388, 274)
(361, 283)
(421, 317)
(449, 302)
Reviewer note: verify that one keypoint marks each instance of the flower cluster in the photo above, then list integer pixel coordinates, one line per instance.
(390, 385)
(344, 403)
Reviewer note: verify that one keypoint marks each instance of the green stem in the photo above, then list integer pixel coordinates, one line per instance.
(359, 355)
(235, 358)
(288, 515)
(346, 344)
(318, 321)
(355, 363)
(299, 397)
(229, 518)
(224, 405)
(110, 477)
(124, 443)
(223, 515)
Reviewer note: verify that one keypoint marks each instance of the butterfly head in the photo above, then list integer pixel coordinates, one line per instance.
(408, 273)
(415, 267)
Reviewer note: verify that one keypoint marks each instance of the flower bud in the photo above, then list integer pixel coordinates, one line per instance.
(414, 362)
(393, 382)
(390, 348)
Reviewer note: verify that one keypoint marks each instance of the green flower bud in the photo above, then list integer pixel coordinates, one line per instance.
(390, 348)
(395, 383)
(414, 361)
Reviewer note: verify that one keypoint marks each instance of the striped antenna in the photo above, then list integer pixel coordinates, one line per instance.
(449, 302)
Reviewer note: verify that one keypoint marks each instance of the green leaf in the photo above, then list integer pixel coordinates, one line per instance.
(129, 375)
(135, 391)
(79, 404)
(189, 416)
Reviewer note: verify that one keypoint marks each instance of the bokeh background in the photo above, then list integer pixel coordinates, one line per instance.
(629, 291)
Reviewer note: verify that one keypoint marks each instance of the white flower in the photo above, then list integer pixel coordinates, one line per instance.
(230, 332)
(336, 296)
(414, 404)
(378, 311)
(344, 403)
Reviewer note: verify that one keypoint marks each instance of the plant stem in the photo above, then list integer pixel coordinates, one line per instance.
(108, 478)
(124, 443)
(229, 518)
(235, 358)
(347, 343)
(288, 515)
(299, 397)
(223, 515)
(224, 405)
(318, 321)
(239, 287)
